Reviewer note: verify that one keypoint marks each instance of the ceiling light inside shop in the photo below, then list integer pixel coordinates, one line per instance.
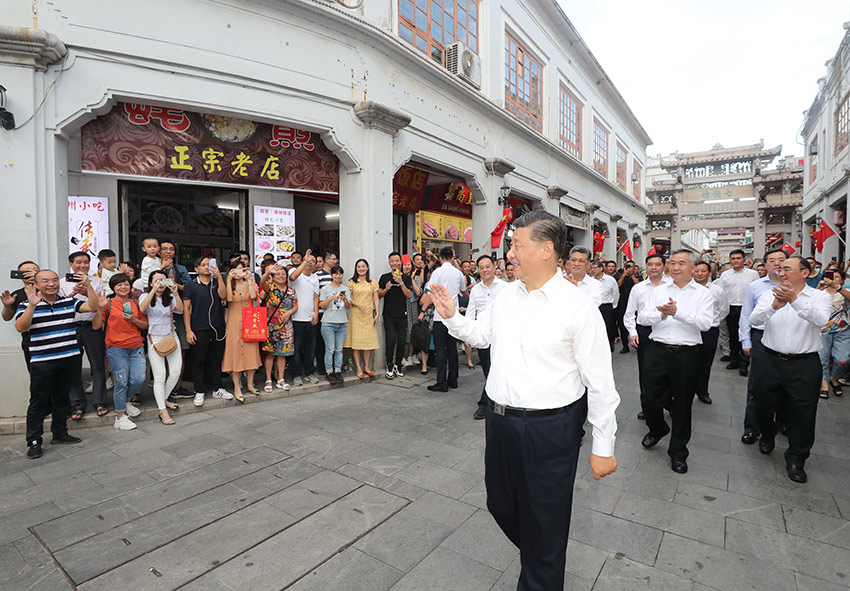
(329, 216)
(230, 207)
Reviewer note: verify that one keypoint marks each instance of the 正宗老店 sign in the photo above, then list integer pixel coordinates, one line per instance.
(153, 141)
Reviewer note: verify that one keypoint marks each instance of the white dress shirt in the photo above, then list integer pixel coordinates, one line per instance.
(592, 288)
(449, 277)
(637, 297)
(694, 313)
(546, 346)
(481, 296)
(795, 327)
(610, 290)
(735, 283)
(66, 289)
(721, 303)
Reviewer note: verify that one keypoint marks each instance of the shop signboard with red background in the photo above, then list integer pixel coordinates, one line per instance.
(153, 141)
(409, 186)
(449, 198)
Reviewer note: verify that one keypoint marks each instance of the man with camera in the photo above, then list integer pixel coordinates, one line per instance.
(11, 300)
(90, 340)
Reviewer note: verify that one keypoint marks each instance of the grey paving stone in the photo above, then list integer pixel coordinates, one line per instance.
(438, 478)
(800, 554)
(404, 540)
(733, 505)
(621, 573)
(311, 494)
(477, 496)
(640, 482)
(37, 494)
(441, 509)
(377, 459)
(391, 484)
(583, 561)
(14, 525)
(350, 570)
(13, 482)
(678, 519)
(782, 490)
(697, 473)
(481, 539)
(721, 569)
(612, 534)
(807, 583)
(816, 526)
(508, 580)
(57, 470)
(444, 569)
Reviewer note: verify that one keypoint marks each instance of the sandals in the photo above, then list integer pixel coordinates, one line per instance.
(171, 405)
(239, 398)
(254, 391)
(135, 401)
(268, 387)
(283, 385)
(838, 391)
(471, 367)
(424, 372)
(101, 410)
(168, 421)
(76, 414)
(362, 376)
(370, 374)
(824, 394)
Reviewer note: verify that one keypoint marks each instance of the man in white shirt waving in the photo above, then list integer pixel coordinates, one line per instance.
(551, 370)
(788, 366)
(678, 312)
(481, 296)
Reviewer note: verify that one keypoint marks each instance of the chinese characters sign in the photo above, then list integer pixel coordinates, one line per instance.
(274, 232)
(156, 141)
(88, 224)
(453, 199)
(434, 226)
(408, 189)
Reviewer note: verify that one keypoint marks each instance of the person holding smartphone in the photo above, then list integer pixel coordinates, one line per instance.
(836, 338)
(239, 355)
(11, 300)
(281, 304)
(335, 300)
(123, 324)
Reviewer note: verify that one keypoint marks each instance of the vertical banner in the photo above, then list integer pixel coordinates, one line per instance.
(274, 232)
(88, 224)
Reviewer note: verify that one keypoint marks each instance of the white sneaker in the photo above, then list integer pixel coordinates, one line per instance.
(283, 385)
(124, 423)
(109, 383)
(132, 410)
(223, 394)
(89, 388)
(297, 381)
(390, 373)
(397, 372)
(199, 399)
(312, 378)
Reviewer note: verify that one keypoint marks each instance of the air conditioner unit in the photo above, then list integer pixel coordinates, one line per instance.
(464, 63)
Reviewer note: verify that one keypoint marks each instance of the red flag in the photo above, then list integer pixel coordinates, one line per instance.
(499, 230)
(788, 248)
(627, 249)
(598, 242)
(651, 251)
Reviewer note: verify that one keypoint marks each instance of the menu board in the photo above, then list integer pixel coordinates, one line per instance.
(435, 226)
(274, 232)
(88, 224)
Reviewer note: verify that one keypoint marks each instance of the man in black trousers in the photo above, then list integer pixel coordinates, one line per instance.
(702, 272)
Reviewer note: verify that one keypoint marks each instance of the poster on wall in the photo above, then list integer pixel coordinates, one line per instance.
(274, 232)
(88, 225)
(434, 226)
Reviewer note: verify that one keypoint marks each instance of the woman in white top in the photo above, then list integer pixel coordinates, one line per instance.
(159, 304)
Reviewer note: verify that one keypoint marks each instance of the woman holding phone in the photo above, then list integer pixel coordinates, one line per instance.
(239, 356)
(835, 335)
(160, 303)
(335, 300)
(281, 304)
(123, 324)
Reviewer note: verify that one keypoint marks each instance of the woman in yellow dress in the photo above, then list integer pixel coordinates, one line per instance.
(362, 336)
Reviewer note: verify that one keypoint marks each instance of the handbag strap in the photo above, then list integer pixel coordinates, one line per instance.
(279, 304)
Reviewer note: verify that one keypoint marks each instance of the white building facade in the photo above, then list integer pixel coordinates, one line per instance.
(369, 122)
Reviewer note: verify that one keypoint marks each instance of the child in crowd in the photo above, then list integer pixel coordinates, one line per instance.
(151, 262)
(108, 267)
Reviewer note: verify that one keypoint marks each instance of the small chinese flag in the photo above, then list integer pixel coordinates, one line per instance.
(627, 249)
(651, 251)
(788, 248)
(499, 230)
(824, 232)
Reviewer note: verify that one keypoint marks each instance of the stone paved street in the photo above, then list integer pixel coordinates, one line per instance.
(380, 486)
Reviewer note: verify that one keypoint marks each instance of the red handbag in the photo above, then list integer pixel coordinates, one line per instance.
(255, 327)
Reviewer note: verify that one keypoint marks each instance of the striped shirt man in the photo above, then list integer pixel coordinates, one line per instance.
(53, 333)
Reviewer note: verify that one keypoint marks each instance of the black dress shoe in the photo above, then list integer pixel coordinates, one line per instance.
(480, 413)
(66, 438)
(744, 371)
(453, 386)
(641, 416)
(705, 398)
(797, 474)
(649, 440)
(680, 466)
(725, 358)
(784, 430)
(438, 388)
(34, 451)
(624, 350)
(733, 365)
(749, 438)
(766, 445)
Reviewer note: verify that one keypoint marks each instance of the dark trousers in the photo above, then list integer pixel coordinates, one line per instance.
(484, 359)
(610, 318)
(395, 330)
(49, 396)
(736, 355)
(530, 469)
(670, 380)
(796, 382)
(706, 358)
(643, 346)
(751, 421)
(207, 353)
(92, 342)
(445, 349)
(624, 332)
(319, 356)
(305, 349)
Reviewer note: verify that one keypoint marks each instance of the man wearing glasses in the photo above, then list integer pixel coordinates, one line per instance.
(54, 352)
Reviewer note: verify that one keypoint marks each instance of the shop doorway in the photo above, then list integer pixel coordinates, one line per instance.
(316, 224)
(200, 220)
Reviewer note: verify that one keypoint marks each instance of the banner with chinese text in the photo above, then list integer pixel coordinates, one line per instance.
(88, 225)
(156, 141)
(435, 226)
(450, 198)
(408, 189)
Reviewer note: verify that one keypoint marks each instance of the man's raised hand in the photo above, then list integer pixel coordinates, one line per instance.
(443, 302)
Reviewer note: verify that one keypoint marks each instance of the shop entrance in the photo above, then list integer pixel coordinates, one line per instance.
(200, 220)
(316, 224)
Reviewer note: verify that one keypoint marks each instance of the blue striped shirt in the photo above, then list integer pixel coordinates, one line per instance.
(53, 333)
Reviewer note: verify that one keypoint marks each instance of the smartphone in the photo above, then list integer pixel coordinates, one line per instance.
(71, 278)
(18, 275)
(829, 275)
(128, 307)
(213, 264)
(168, 282)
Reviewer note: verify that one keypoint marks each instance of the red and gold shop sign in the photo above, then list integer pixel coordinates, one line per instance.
(450, 198)
(157, 141)
(435, 226)
(409, 188)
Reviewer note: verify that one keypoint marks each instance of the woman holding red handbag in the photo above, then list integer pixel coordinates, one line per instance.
(240, 355)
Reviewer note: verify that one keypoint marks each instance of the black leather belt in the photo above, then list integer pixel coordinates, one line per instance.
(512, 411)
(674, 348)
(790, 356)
(82, 324)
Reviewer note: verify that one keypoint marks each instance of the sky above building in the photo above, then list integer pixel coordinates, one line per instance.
(697, 73)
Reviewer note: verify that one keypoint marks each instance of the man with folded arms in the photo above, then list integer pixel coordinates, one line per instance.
(550, 370)
(678, 313)
(787, 365)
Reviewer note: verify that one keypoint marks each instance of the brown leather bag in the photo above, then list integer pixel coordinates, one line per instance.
(168, 345)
